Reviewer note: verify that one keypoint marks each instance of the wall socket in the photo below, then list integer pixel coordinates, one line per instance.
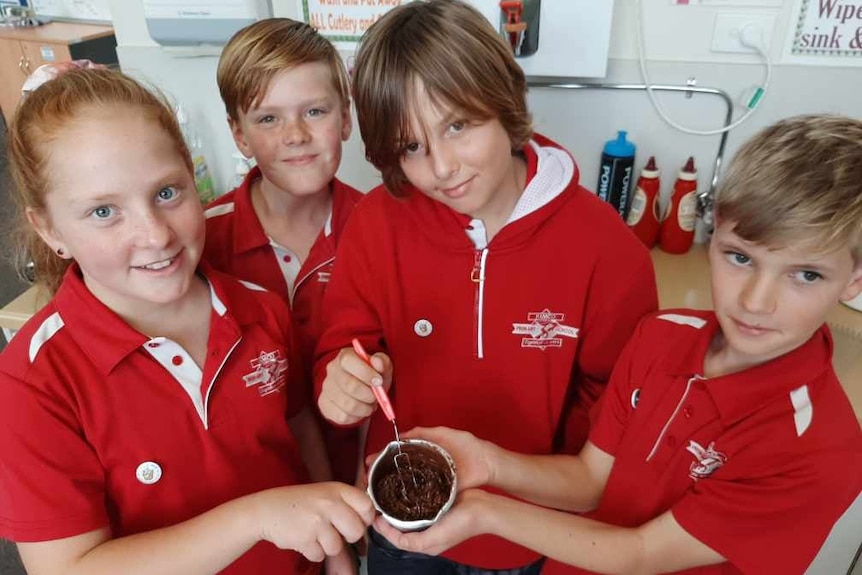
(728, 28)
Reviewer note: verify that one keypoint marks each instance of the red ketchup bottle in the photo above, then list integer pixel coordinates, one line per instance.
(677, 226)
(643, 216)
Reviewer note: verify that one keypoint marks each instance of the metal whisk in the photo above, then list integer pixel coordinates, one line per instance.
(402, 460)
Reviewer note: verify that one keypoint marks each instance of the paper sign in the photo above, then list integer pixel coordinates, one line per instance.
(344, 21)
(829, 28)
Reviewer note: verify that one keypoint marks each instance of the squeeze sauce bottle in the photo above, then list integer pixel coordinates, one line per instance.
(643, 216)
(677, 226)
(616, 173)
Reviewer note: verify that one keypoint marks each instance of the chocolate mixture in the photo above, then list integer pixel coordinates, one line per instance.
(400, 497)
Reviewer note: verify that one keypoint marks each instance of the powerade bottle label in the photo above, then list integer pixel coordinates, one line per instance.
(605, 181)
(625, 188)
(615, 182)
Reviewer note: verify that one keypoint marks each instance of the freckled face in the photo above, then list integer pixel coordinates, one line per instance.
(296, 131)
(123, 204)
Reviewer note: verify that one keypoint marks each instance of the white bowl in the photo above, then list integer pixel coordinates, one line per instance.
(855, 303)
(385, 462)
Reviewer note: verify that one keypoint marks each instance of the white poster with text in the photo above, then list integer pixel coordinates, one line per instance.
(831, 28)
(344, 21)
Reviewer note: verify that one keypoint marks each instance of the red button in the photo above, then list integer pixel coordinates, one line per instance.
(671, 440)
(152, 344)
(688, 411)
(469, 227)
(177, 360)
(286, 258)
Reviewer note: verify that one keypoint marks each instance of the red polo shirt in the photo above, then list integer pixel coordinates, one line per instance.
(101, 425)
(758, 465)
(236, 243)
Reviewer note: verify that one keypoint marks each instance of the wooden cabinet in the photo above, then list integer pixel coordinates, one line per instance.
(22, 50)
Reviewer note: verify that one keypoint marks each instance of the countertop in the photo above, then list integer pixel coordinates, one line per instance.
(683, 281)
(56, 32)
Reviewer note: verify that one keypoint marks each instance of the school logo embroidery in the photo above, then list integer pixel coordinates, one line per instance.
(269, 372)
(543, 330)
(708, 460)
(323, 277)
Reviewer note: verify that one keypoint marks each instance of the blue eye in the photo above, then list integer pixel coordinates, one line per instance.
(737, 258)
(168, 193)
(457, 126)
(266, 119)
(316, 112)
(103, 212)
(808, 276)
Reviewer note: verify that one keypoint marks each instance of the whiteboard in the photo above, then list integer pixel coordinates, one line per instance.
(89, 10)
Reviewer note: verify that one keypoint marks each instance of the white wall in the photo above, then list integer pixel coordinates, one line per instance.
(678, 47)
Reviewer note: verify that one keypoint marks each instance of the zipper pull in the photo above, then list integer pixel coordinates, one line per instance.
(476, 272)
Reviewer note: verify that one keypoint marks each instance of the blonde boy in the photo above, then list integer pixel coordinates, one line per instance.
(725, 443)
(287, 97)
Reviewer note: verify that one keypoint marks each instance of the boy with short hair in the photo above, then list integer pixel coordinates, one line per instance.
(501, 289)
(725, 443)
(287, 97)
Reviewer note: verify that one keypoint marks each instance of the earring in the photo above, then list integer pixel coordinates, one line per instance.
(60, 252)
